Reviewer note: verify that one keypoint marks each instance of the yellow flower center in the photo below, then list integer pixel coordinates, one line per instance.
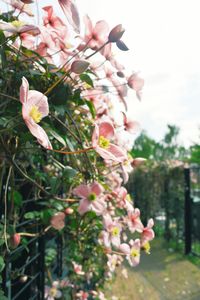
(103, 142)
(115, 231)
(146, 247)
(134, 253)
(128, 198)
(53, 292)
(35, 114)
(92, 197)
(17, 23)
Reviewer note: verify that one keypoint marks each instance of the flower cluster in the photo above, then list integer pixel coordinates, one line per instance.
(81, 91)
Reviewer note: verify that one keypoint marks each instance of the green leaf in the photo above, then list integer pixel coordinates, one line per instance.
(57, 137)
(2, 264)
(18, 200)
(91, 108)
(86, 78)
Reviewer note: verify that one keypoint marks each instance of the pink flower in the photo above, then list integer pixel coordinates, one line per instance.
(34, 108)
(82, 295)
(50, 20)
(58, 221)
(52, 293)
(19, 27)
(134, 222)
(132, 252)
(136, 83)
(113, 261)
(101, 137)
(112, 233)
(91, 198)
(71, 12)
(95, 36)
(78, 268)
(148, 233)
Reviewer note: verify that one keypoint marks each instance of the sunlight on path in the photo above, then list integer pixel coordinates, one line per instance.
(160, 276)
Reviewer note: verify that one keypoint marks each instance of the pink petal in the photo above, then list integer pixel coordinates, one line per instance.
(150, 223)
(118, 153)
(106, 130)
(125, 248)
(39, 133)
(24, 90)
(84, 206)
(98, 206)
(82, 191)
(96, 188)
(71, 12)
(40, 101)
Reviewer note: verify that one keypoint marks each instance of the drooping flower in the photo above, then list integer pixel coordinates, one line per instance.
(34, 108)
(71, 12)
(148, 233)
(101, 137)
(91, 198)
(136, 83)
(81, 295)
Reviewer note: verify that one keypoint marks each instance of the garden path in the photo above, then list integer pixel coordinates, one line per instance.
(163, 275)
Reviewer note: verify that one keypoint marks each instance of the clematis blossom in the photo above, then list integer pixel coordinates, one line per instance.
(19, 27)
(91, 198)
(132, 252)
(52, 292)
(148, 233)
(34, 108)
(71, 12)
(134, 222)
(101, 137)
(111, 234)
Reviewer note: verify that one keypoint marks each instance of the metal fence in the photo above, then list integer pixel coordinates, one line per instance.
(23, 277)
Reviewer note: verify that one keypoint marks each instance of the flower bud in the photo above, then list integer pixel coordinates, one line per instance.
(79, 66)
(138, 161)
(58, 221)
(116, 33)
(69, 211)
(15, 240)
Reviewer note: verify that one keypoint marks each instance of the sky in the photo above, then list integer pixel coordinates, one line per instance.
(164, 43)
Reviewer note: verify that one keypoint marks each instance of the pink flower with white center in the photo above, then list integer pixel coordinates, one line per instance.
(133, 221)
(58, 221)
(112, 233)
(148, 233)
(132, 252)
(19, 27)
(78, 268)
(101, 137)
(52, 292)
(81, 295)
(34, 108)
(91, 198)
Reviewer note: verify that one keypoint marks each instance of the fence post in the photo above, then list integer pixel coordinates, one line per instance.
(188, 212)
